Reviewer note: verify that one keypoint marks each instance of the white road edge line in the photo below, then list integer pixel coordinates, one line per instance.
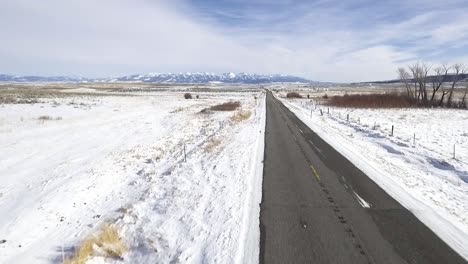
(362, 201)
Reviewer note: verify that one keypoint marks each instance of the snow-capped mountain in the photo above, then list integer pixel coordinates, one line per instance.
(210, 78)
(169, 78)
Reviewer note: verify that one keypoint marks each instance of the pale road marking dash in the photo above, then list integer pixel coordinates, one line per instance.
(362, 201)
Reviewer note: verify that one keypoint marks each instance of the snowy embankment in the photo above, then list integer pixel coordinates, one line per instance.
(70, 165)
(415, 165)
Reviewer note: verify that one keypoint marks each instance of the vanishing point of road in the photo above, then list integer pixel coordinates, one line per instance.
(310, 210)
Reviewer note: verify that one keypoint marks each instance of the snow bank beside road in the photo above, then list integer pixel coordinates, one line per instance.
(423, 178)
(204, 210)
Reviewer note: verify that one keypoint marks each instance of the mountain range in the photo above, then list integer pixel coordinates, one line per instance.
(196, 78)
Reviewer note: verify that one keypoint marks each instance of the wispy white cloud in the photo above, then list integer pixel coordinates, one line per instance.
(325, 40)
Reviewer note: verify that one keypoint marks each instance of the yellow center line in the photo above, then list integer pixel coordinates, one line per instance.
(315, 172)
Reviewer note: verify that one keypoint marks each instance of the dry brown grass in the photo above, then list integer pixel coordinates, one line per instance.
(228, 106)
(241, 116)
(15, 99)
(7, 100)
(178, 110)
(23, 95)
(106, 242)
(211, 145)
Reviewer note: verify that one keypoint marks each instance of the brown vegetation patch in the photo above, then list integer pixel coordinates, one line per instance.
(228, 106)
(293, 95)
(370, 101)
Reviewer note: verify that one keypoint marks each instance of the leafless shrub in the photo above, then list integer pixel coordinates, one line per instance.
(47, 118)
(371, 101)
(228, 106)
(188, 96)
(293, 95)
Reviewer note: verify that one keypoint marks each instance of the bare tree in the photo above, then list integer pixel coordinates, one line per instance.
(459, 69)
(425, 69)
(444, 93)
(463, 102)
(441, 74)
(405, 77)
(420, 72)
(416, 76)
(415, 69)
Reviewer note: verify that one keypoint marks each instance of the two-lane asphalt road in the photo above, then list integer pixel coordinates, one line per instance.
(317, 207)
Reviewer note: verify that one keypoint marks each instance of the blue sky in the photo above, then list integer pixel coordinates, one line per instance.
(325, 40)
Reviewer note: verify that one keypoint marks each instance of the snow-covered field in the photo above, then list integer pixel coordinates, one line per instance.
(415, 165)
(69, 165)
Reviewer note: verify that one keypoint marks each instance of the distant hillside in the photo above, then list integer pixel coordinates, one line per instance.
(12, 78)
(430, 79)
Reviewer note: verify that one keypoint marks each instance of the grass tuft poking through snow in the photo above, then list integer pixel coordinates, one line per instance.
(241, 116)
(107, 243)
(211, 145)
